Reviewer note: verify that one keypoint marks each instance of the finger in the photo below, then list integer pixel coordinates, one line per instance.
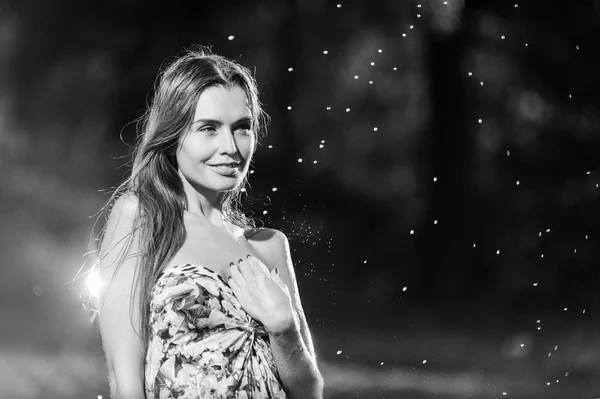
(235, 287)
(257, 266)
(236, 275)
(245, 268)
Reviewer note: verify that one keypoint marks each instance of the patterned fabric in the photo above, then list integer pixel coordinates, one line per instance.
(203, 344)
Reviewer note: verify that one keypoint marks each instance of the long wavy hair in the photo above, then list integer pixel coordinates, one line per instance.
(154, 179)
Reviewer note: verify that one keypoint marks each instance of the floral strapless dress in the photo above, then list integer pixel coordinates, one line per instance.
(203, 344)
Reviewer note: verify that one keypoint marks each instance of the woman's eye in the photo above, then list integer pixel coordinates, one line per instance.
(246, 129)
(207, 128)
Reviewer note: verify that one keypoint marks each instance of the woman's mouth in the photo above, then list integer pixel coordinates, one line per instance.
(226, 168)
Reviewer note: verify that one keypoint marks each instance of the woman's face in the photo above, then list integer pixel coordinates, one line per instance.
(214, 155)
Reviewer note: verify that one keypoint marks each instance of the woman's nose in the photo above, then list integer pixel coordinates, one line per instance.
(228, 144)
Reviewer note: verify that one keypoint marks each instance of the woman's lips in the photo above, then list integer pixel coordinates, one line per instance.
(225, 169)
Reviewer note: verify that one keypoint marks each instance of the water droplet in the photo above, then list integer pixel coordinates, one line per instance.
(412, 232)
(328, 108)
(290, 69)
(435, 222)
(231, 37)
(375, 129)
(380, 50)
(535, 284)
(339, 352)
(424, 361)
(38, 290)
(243, 189)
(518, 182)
(435, 179)
(347, 109)
(270, 146)
(265, 212)
(404, 35)
(503, 37)
(325, 52)
(404, 288)
(381, 364)
(470, 73)
(320, 145)
(274, 188)
(289, 107)
(339, 6)
(314, 161)
(479, 120)
(299, 159)
(481, 83)
(498, 252)
(372, 63)
(395, 68)
(370, 82)
(516, 5)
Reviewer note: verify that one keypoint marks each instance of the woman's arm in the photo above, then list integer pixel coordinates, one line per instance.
(292, 346)
(296, 366)
(123, 348)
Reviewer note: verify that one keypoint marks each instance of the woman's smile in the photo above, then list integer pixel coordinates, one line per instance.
(226, 169)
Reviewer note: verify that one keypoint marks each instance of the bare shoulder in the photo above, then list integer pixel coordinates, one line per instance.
(119, 226)
(270, 242)
(125, 206)
(265, 235)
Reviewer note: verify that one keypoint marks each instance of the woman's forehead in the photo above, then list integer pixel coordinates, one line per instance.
(219, 102)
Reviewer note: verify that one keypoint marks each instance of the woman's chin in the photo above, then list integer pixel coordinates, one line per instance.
(228, 187)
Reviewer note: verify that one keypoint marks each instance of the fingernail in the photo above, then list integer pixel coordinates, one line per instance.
(240, 260)
(247, 256)
(231, 264)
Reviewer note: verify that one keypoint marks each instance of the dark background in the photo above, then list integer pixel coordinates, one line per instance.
(444, 235)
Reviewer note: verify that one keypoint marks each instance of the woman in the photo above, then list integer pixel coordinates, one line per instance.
(198, 303)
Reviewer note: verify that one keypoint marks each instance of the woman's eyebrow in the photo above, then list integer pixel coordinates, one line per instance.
(212, 121)
(246, 119)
